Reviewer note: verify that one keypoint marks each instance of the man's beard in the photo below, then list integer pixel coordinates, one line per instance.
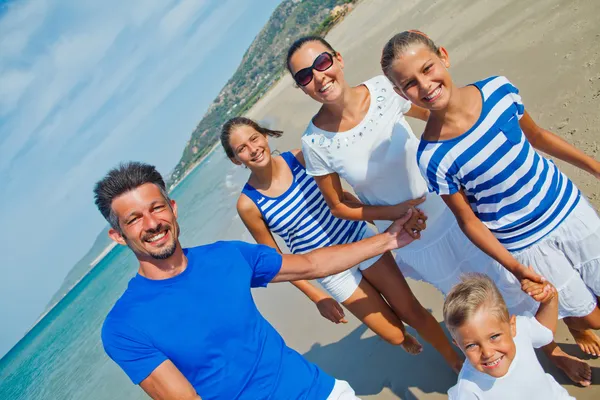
(164, 253)
(168, 250)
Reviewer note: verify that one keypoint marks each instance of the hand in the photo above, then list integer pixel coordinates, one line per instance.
(399, 237)
(402, 208)
(416, 223)
(528, 273)
(540, 292)
(596, 172)
(331, 310)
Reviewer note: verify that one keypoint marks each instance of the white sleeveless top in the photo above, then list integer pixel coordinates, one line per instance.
(378, 158)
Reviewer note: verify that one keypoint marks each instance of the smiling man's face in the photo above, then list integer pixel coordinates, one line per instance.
(148, 222)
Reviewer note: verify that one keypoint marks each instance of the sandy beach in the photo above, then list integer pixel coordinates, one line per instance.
(550, 49)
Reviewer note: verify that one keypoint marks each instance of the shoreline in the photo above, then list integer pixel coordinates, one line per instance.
(106, 251)
(194, 166)
(557, 91)
(375, 369)
(337, 20)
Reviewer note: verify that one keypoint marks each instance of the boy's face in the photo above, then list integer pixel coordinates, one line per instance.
(487, 342)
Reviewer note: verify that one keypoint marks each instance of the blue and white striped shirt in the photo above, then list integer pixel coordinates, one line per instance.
(301, 217)
(518, 194)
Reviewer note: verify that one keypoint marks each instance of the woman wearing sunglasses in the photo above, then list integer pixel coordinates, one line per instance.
(281, 198)
(360, 134)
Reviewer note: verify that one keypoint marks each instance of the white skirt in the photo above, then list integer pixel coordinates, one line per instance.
(569, 258)
(443, 260)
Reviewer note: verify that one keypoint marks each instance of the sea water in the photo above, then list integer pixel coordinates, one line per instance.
(62, 356)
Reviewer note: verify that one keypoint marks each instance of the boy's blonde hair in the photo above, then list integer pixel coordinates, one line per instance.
(473, 292)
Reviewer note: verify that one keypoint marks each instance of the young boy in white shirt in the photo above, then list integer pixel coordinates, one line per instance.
(502, 363)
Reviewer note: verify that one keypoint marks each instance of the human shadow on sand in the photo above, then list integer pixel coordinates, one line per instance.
(370, 364)
(561, 378)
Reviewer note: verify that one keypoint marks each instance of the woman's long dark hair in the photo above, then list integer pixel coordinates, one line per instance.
(301, 42)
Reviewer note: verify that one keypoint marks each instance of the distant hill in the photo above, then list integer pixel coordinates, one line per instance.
(82, 267)
(261, 66)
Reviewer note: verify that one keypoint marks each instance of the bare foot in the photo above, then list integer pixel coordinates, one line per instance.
(577, 370)
(587, 340)
(411, 345)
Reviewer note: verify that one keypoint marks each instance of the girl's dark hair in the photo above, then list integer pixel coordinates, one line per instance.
(301, 42)
(398, 45)
(242, 121)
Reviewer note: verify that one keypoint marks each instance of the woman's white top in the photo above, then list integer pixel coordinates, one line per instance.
(378, 158)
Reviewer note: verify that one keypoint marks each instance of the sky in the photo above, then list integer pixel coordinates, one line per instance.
(83, 86)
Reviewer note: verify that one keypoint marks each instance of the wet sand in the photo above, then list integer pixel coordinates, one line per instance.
(549, 49)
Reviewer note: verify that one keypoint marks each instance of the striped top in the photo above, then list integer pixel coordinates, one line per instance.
(301, 217)
(518, 194)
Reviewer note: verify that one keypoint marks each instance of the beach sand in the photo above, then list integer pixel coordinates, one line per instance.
(549, 49)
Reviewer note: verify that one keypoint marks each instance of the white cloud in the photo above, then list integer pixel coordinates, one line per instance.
(13, 83)
(178, 18)
(76, 74)
(81, 84)
(25, 20)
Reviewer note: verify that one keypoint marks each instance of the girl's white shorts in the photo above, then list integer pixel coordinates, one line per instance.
(569, 258)
(341, 286)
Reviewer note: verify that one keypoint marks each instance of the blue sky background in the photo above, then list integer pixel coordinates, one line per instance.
(84, 85)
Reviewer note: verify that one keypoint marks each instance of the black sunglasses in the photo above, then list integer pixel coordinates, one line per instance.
(323, 62)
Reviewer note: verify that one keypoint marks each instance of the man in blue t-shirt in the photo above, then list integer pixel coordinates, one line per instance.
(187, 325)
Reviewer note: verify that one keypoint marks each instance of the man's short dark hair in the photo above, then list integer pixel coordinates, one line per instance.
(122, 179)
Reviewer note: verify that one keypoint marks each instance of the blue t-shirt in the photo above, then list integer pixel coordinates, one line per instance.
(206, 322)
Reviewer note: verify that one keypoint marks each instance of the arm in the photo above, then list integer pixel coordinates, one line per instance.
(254, 222)
(547, 313)
(481, 236)
(547, 296)
(328, 307)
(346, 208)
(351, 198)
(346, 198)
(555, 146)
(166, 382)
(334, 259)
(418, 113)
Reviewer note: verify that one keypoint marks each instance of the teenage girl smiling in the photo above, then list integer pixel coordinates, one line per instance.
(360, 134)
(479, 151)
(281, 198)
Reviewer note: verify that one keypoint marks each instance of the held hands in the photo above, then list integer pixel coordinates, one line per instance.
(331, 310)
(528, 273)
(416, 223)
(536, 285)
(402, 208)
(540, 292)
(398, 235)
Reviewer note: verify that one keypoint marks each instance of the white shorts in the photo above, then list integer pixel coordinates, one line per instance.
(451, 254)
(341, 286)
(569, 258)
(342, 391)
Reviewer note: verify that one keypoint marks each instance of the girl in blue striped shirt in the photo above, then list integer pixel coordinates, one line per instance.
(281, 198)
(478, 151)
